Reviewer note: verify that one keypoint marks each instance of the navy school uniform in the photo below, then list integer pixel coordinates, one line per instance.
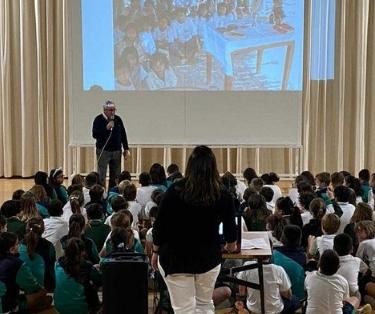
(15, 275)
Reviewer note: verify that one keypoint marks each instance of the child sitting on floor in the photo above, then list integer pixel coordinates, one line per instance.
(330, 225)
(15, 275)
(327, 291)
(278, 296)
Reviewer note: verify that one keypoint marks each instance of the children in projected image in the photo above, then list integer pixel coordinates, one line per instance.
(120, 32)
(186, 40)
(254, 8)
(146, 42)
(137, 71)
(177, 28)
(242, 9)
(149, 11)
(123, 77)
(161, 74)
(164, 6)
(163, 34)
(221, 20)
(202, 21)
(131, 36)
(203, 15)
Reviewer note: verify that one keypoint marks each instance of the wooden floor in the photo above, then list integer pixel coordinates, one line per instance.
(8, 186)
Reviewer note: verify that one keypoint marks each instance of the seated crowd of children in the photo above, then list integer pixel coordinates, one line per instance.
(53, 239)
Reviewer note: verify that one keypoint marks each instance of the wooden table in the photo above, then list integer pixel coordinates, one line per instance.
(220, 45)
(259, 255)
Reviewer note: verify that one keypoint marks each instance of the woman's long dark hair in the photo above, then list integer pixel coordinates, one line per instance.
(202, 180)
(34, 231)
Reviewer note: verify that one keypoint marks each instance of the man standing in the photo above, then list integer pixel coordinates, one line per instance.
(109, 132)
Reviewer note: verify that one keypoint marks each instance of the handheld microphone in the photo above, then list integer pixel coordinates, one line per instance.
(112, 119)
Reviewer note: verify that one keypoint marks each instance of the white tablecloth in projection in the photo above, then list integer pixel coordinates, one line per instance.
(222, 43)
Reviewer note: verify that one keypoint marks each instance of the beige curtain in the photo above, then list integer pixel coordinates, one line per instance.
(33, 107)
(337, 129)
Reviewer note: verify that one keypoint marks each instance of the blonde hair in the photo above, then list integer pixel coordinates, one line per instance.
(121, 219)
(39, 192)
(368, 226)
(363, 211)
(330, 223)
(28, 207)
(122, 185)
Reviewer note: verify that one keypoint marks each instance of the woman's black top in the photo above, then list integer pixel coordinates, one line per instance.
(188, 235)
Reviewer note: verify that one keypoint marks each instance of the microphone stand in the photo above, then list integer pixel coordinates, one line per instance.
(105, 144)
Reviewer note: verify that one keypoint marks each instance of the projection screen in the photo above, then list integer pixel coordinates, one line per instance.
(186, 72)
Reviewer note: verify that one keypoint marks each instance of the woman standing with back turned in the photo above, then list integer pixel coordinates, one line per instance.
(186, 246)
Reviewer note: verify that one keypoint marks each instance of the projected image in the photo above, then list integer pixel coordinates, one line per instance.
(199, 45)
(210, 45)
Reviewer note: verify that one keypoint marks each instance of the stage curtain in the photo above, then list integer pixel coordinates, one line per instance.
(33, 108)
(337, 132)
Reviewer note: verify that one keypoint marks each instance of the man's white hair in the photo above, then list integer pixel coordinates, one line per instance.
(109, 104)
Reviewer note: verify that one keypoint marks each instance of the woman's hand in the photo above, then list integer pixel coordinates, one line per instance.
(230, 247)
(154, 261)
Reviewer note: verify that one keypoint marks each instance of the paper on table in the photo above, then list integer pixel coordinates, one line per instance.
(257, 243)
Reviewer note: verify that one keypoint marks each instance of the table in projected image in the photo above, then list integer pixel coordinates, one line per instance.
(221, 45)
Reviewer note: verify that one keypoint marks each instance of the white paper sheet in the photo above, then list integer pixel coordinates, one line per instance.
(257, 243)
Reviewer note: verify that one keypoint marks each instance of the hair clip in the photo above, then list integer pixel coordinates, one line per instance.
(56, 171)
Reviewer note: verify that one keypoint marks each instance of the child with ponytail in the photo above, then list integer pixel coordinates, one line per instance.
(76, 229)
(39, 254)
(15, 275)
(28, 207)
(77, 281)
(74, 206)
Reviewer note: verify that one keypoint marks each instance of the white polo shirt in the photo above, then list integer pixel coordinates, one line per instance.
(322, 243)
(144, 194)
(275, 280)
(325, 294)
(347, 213)
(366, 252)
(276, 192)
(240, 189)
(350, 266)
(135, 209)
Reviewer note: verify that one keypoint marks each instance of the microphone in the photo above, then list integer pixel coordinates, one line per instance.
(112, 119)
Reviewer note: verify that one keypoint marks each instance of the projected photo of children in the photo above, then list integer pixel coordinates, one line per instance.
(208, 44)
